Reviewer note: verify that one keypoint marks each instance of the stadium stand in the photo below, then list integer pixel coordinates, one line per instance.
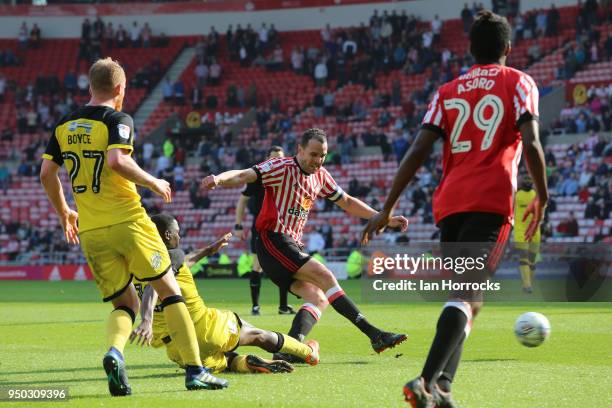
(363, 105)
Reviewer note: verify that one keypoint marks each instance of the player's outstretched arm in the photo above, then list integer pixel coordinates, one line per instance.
(143, 334)
(419, 151)
(355, 207)
(536, 165)
(193, 257)
(358, 208)
(231, 178)
(49, 178)
(120, 161)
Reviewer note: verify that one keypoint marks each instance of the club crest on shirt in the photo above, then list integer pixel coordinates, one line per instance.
(124, 131)
(155, 260)
(306, 203)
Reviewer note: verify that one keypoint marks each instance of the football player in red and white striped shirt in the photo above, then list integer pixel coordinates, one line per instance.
(292, 184)
(485, 118)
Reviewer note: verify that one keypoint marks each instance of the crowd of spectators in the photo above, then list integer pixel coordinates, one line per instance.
(588, 48)
(583, 172)
(595, 115)
(356, 55)
(27, 39)
(97, 34)
(250, 46)
(28, 240)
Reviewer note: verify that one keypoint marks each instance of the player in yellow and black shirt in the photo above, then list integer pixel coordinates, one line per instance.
(82, 139)
(528, 250)
(219, 332)
(118, 239)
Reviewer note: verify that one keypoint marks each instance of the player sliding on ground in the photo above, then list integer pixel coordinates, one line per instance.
(485, 118)
(219, 332)
(117, 236)
(292, 184)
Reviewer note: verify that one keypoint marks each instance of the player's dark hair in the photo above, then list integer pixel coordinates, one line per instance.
(314, 133)
(489, 36)
(162, 222)
(274, 149)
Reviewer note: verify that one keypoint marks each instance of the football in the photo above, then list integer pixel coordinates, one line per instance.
(532, 329)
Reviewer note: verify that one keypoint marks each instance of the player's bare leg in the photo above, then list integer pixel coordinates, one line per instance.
(309, 314)
(315, 273)
(183, 333)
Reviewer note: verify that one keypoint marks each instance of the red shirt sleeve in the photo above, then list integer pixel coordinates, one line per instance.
(434, 119)
(330, 190)
(525, 99)
(271, 172)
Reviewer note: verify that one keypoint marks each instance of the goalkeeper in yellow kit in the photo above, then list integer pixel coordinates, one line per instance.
(219, 332)
(528, 251)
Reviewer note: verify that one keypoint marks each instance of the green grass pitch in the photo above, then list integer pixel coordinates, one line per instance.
(52, 335)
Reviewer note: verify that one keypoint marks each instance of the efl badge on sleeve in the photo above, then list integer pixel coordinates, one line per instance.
(124, 131)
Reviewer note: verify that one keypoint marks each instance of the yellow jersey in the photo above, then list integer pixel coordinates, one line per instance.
(188, 288)
(218, 331)
(82, 139)
(522, 199)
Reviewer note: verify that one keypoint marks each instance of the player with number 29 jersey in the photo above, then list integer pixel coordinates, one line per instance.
(486, 118)
(480, 113)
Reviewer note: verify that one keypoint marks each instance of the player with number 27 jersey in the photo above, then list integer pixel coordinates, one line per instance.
(82, 139)
(112, 222)
(480, 113)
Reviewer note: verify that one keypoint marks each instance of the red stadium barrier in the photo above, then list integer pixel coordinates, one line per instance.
(576, 91)
(64, 10)
(46, 272)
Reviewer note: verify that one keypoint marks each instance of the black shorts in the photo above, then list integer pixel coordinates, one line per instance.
(280, 256)
(254, 239)
(476, 235)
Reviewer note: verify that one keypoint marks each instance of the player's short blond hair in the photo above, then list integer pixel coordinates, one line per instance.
(104, 75)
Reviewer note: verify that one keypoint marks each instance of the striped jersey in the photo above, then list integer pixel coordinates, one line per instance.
(289, 195)
(478, 116)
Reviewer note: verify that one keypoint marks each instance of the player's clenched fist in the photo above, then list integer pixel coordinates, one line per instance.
(210, 182)
(162, 188)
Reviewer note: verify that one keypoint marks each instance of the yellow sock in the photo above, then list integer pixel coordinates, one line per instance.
(183, 333)
(295, 348)
(533, 258)
(525, 275)
(531, 272)
(118, 329)
(239, 365)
